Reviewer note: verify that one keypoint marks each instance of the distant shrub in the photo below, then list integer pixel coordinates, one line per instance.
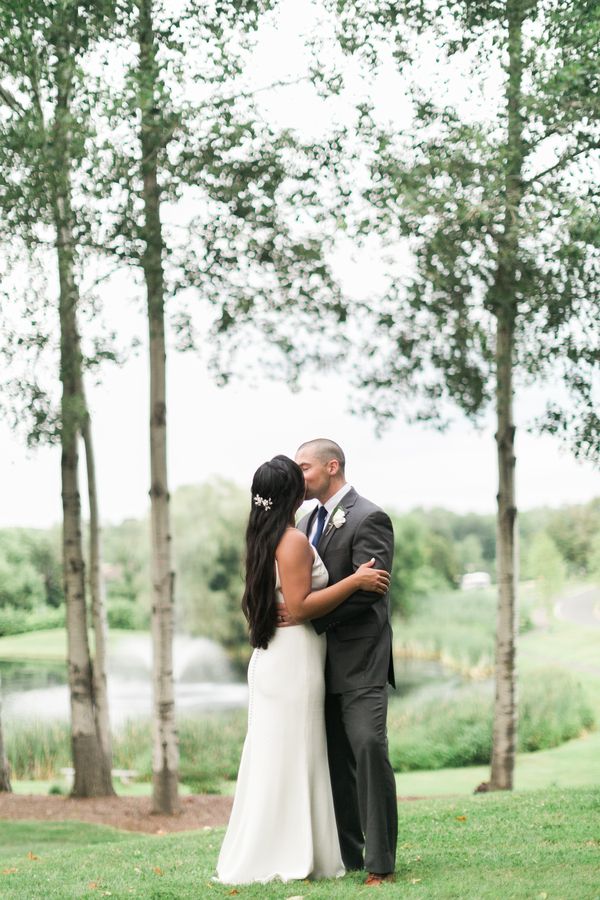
(56, 789)
(554, 708)
(18, 621)
(37, 750)
(209, 747)
(45, 617)
(456, 627)
(126, 615)
(443, 732)
(457, 730)
(12, 621)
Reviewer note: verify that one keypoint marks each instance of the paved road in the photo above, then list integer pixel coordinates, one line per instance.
(582, 607)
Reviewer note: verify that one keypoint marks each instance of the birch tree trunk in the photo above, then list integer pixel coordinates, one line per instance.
(5, 785)
(92, 775)
(505, 706)
(98, 602)
(165, 758)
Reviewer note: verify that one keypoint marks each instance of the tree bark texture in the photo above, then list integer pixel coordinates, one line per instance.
(165, 764)
(5, 785)
(506, 300)
(99, 666)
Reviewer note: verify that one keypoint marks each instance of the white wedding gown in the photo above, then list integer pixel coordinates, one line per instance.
(282, 824)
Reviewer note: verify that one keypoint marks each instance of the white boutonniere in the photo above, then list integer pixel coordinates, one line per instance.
(338, 518)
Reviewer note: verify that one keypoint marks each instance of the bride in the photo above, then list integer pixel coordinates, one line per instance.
(282, 824)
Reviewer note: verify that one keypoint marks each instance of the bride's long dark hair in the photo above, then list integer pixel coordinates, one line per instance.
(277, 492)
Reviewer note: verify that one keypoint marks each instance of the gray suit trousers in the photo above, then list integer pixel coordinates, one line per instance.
(362, 780)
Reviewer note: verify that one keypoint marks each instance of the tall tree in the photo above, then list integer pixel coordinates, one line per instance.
(97, 598)
(497, 201)
(44, 132)
(203, 197)
(165, 759)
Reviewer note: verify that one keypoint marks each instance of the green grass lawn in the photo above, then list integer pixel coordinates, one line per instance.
(534, 845)
(133, 789)
(50, 644)
(574, 764)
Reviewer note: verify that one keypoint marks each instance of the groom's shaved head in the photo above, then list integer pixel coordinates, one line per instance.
(325, 450)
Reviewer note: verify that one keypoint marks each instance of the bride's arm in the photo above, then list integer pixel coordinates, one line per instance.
(295, 559)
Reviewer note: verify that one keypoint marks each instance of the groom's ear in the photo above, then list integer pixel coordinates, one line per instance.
(333, 466)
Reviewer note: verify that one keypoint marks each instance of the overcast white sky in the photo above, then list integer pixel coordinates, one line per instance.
(229, 431)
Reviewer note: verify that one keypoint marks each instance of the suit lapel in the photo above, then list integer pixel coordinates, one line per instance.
(306, 522)
(346, 503)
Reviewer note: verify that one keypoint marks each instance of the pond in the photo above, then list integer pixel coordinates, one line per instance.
(426, 678)
(205, 680)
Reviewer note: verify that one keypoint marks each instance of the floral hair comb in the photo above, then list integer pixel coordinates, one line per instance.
(261, 501)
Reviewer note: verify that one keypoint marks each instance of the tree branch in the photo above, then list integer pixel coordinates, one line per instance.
(218, 101)
(168, 134)
(99, 280)
(6, 61)
(10, 100)
(561, 162)
(553, 132)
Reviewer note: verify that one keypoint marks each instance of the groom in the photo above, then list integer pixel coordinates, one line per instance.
(348, 530)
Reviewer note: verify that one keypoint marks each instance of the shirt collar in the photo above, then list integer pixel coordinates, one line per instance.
(335, 500)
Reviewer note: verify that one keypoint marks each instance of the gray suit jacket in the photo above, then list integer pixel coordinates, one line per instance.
(359, 631)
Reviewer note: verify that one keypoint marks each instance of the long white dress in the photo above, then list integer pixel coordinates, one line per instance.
(282, 824)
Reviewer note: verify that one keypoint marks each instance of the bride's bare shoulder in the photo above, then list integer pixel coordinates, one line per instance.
(293, 544)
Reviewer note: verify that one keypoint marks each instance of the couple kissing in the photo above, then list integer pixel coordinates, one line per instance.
(316, 794)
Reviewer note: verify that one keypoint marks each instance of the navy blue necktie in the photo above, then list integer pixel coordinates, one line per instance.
(321, 516)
